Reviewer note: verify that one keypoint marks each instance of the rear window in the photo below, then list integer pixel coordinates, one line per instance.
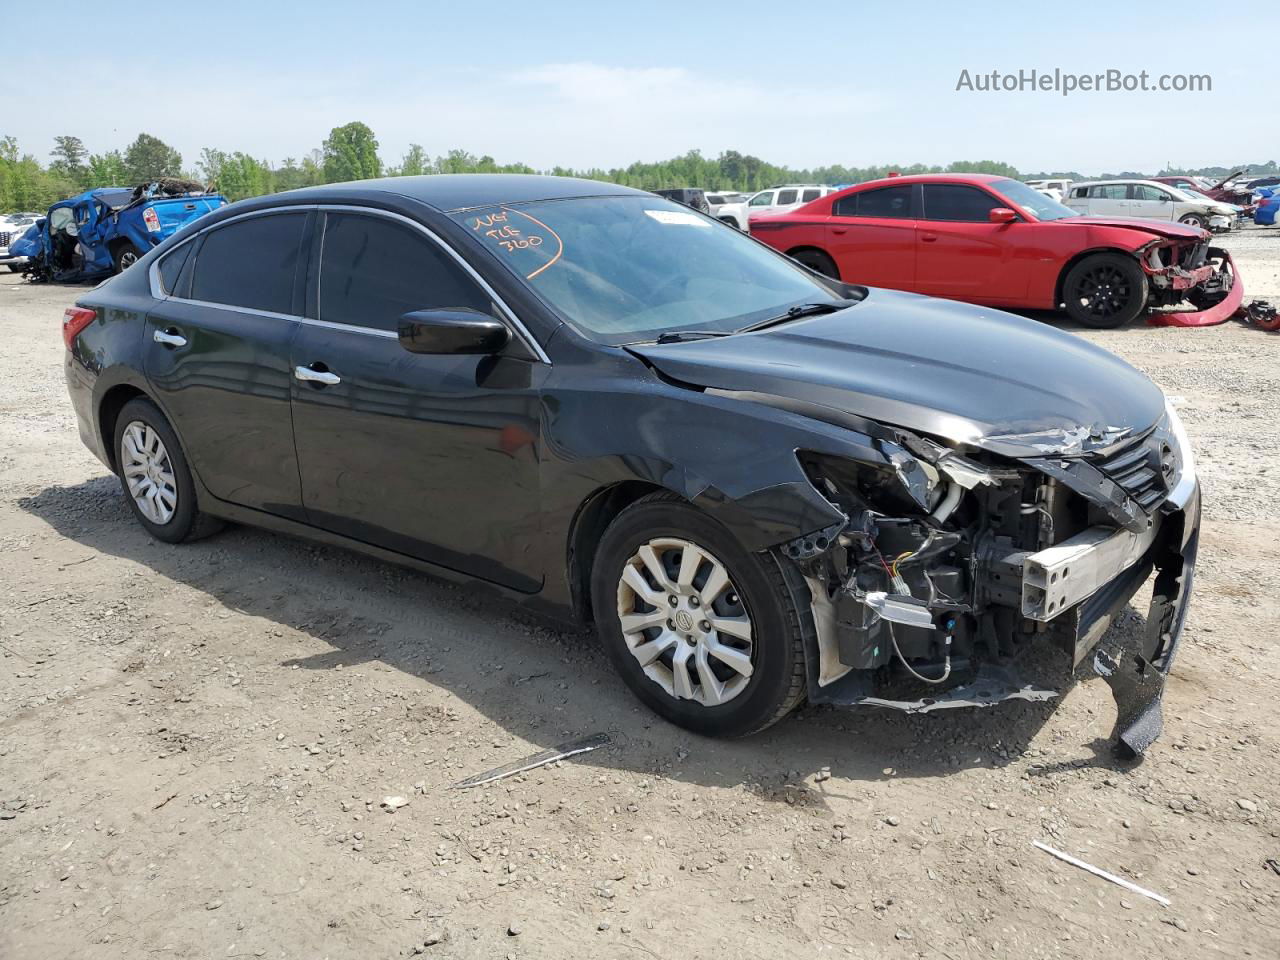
(810, 195)
(892, 202)
(250, 263)
(171, 267)
(786, 196)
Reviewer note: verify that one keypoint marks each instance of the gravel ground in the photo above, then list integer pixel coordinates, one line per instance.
(195, 743)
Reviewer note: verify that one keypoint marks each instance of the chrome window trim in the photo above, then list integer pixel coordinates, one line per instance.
(508, 315)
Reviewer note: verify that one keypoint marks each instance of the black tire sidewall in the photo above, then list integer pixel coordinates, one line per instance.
(1194, 220)
(774, 652)
(818, 262)
(119, 256)
(183, 521)
(1137, 281)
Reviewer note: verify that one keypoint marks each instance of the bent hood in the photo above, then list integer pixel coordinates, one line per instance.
(963, 373)
(1161, 228)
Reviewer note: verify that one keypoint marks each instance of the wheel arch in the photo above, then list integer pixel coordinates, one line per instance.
(814, 248)
(586, 530)
(109, 407)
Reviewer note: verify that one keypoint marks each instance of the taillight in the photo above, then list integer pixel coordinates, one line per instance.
(74, 320)
(151, 219)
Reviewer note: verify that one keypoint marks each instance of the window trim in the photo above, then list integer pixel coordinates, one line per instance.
(508, 315)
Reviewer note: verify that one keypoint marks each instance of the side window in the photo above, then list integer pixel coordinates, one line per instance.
(786, 196)
(171, 267)
(890, 202)
(1109, 191)
(762, 199)
(82, 213)
(946, 201)
(1080, 193)
(250, 263)
(1143, 192)
(810, 195)
(374, 270)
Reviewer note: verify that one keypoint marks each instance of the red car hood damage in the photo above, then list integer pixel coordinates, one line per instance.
(1159, 228)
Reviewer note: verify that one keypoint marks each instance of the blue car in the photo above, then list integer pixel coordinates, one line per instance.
(107, 230)
(1264, 213)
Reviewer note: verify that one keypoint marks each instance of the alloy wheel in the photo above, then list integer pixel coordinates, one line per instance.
(127, 260)
(1103, 291)
(144, 461)
(685, 623)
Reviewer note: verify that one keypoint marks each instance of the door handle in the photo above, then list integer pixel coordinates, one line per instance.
(170, 337)
(311, 375)
(839, 231)
(928, 237)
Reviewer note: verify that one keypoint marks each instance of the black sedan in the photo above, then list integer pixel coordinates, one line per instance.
(758, 483)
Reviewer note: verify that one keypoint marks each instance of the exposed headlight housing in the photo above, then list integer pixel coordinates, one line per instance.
(1186, 457)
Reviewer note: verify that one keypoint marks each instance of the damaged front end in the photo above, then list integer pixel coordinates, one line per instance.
(1181, 273)
(948, 568)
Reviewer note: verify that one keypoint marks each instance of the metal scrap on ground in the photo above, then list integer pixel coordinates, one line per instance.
(572, 748)
(1127, 884)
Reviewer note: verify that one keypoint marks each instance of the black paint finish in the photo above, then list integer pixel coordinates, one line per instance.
(503, 468)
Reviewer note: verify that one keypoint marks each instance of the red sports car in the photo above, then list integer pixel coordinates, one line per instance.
(997, 242)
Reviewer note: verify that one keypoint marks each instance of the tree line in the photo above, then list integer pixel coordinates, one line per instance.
(350, 152)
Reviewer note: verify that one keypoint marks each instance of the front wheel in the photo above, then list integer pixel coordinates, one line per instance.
(1105, 290)
(155, 477)
(125, 256)
(1193, 220)
(704, 633)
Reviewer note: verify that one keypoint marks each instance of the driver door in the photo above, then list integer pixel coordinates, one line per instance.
(431, 456)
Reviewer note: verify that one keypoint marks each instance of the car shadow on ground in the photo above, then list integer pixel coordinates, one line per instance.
(538, 682)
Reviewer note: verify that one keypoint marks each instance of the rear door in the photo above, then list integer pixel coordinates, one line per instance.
(872, 236)
(435, 457)
(1110, 200)
(1150, 202)
(960, 253)
(217, 356)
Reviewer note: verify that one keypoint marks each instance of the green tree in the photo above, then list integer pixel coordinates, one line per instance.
(69, 156)
(149, 158)
(351, 153)
(414, 163)
(108, 170)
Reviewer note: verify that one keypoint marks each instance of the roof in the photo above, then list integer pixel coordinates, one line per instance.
(460, 191)
(111, 196)
(936, 178)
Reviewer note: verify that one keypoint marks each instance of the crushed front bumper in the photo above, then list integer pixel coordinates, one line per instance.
(1134, 665)
(1136, 669)
(1220, 312)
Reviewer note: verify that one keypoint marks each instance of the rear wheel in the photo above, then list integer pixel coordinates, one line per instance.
(1105, 290)
(702, 632)
(155, 477)
(817, 261)
(125, 256)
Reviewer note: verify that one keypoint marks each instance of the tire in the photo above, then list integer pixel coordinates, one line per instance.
(173, 517)
(14, 267)
(817, 261)
(754, 593)
(125, 256)
(1193, 220)
(1105, 290)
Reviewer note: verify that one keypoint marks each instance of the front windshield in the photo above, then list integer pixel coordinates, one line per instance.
(1033, 201)
(628, 269)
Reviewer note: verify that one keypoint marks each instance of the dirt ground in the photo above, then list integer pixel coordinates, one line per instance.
(195, 742)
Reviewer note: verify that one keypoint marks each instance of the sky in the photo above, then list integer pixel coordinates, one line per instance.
(601, 85)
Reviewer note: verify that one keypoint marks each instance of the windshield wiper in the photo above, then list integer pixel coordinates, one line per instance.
(683, 336)
(795, 313)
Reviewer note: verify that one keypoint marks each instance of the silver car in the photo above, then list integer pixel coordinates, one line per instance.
(12, 226)
(1148, 200)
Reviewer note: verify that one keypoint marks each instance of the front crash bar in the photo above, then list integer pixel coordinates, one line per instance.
(1219, 313)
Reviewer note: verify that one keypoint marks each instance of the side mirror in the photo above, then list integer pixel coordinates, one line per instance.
(452, 330)
(1002, 215)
